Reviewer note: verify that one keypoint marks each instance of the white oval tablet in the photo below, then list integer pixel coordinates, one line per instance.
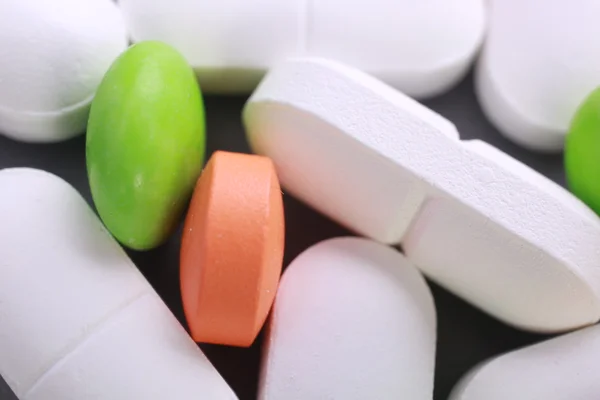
(476, 221)
(563, 368)
(352, 320)
(421, 47)
(540, 61)
(54, 55)
(77, 318)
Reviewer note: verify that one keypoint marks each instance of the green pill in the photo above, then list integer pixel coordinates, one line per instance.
(582, 152)
(145, 144)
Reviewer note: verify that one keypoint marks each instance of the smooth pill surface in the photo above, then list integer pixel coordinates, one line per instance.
(232, 249)
(353, 320)
(539, 62)
(145, 144)
(52, 62)
(582, 152)
(563, 368)
(473, 219)
(79, 321)
(421, 47)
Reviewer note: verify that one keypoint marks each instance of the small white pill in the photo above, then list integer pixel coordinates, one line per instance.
(54, 54)
(78, 320)
(353, 320)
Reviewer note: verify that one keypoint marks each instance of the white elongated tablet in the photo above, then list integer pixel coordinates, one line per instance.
(475, 220)
(78, 320)
(52, 63)
(540, 61)
(421, 47)
(352, 320)
(563, 368)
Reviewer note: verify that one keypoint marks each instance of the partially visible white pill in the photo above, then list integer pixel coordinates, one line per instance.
(54, 54)
(540, 60)
(476, 221)
(352, 320)
(77, 318)
(563, 368)
(421, 47)
(230, 43)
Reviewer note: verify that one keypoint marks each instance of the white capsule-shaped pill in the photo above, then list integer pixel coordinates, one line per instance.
(352, 320)
(563, 368)
(77, 318)
(421, 47)
(476, 221)
(54, 55)
(540, 61)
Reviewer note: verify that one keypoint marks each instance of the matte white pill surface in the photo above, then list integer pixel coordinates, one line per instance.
(54, 54)
(77, 318)
(421, 47)
(540, 61)
(564, 368)
(353, 320)
(478, 222)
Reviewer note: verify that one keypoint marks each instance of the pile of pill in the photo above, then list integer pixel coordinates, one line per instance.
(334, 118)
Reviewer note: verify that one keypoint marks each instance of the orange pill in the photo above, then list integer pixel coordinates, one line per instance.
(232, 249)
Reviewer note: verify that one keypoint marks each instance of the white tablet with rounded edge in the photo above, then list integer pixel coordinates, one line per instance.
(421, 47)
(475, 220)
(563, 368)
(352, 320)
(78, 320)
(54, 55)
(540, 61)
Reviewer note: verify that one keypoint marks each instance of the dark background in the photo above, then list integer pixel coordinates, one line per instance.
(465, 335)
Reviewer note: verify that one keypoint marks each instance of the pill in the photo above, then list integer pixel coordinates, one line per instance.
(52, 63)
(79, 321)
(478, 222)
(421, 47)
(352, 320)
(538, 63)
(232, 249)
(145, 144)
(582, 152)
(562, 368)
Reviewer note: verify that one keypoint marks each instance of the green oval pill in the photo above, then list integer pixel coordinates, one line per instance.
(145, 143)
(582, 152)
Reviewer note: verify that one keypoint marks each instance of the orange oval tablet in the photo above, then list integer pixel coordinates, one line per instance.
(232, 249)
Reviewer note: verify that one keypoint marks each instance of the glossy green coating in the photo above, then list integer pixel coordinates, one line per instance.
(582, 152)
(145, 144)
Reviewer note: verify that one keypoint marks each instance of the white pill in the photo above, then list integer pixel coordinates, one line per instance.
(353, 320)
(77, 318)
(563, 368)
(475, 220)
(421, 47)
(540, 61)
(54, 54)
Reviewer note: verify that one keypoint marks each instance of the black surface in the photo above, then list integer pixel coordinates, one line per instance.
(465, 335)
